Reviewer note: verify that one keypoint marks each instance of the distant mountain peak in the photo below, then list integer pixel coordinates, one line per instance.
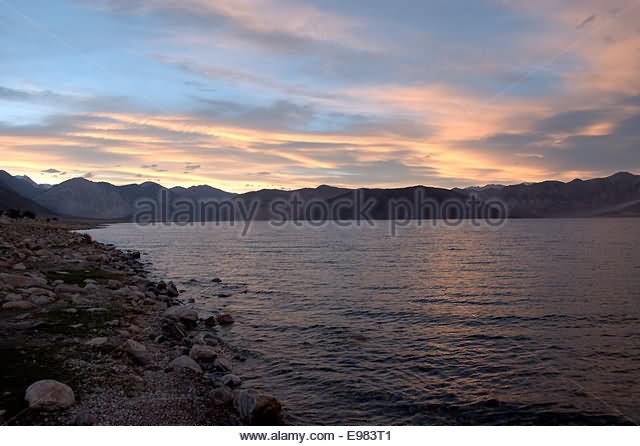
(27, 179)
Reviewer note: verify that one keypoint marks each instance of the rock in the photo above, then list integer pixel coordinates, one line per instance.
(97, 310)
(65, 288)
(173, 329)
(114, 284)
(184, 363)
(80, 301)
(90, 288)
(172, 290)
(18, 305)
(244, 401)
(41, 300)
(85, 419)
(207, 339)
(210, 321)
(268, 411)
(259, 409)
(49, 395)
(97, 342)
(136, 255)
(222, 396)
(19, 267)
(231, 380)
(183, 313)
(224, 319)
(203, 353)
(216, 280)
(138, 352)
(20, 281)
(35, 291)
(223, 364)
(12, 297)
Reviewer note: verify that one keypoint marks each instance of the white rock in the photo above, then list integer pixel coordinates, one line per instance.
(49, 395)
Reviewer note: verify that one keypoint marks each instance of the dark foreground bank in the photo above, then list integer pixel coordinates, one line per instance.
(86, 338)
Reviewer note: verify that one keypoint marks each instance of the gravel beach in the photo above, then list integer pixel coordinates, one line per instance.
(87, 339)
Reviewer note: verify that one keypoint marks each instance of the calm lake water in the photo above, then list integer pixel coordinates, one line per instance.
(535, 322)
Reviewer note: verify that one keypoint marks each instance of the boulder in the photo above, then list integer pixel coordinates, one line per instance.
(113, 284)
(49, 395)
(21, 281)
(224, 319)
(41, 300)
(268, 411)
(182, 313)
(203, 353)
(222, 396)
(66, 288)
(18, 305)
(12, 297)
(255, 408)
(231, 380)
(35, 291)
(173, 329)
(184, 363)
(138, 352)
(172, 290)
(222, 364)
(19, 267)
(244, 401)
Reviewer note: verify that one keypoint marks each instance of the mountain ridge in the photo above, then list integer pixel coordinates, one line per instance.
(615, 195)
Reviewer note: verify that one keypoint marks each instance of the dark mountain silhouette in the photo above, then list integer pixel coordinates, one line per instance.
(617, 195)
(24, 186)
(79, 197)
(83, 198)
(9, 199)
(267, 207)
(202, 192)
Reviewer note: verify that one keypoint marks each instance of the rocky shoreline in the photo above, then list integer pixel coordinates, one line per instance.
(86, 338)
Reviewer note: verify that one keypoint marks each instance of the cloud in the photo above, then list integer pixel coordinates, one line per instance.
(11, 94)
(570, 121)
(52, 171)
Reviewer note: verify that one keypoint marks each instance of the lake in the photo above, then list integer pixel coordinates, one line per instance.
(534, 322)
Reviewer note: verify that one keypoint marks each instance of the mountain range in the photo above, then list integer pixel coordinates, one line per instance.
(617, 195)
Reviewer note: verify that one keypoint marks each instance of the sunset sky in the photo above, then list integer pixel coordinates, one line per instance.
(249, 94)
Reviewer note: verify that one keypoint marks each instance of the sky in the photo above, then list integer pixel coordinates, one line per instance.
(252, 94)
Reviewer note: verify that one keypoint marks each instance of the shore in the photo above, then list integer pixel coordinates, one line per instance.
(86, 338)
